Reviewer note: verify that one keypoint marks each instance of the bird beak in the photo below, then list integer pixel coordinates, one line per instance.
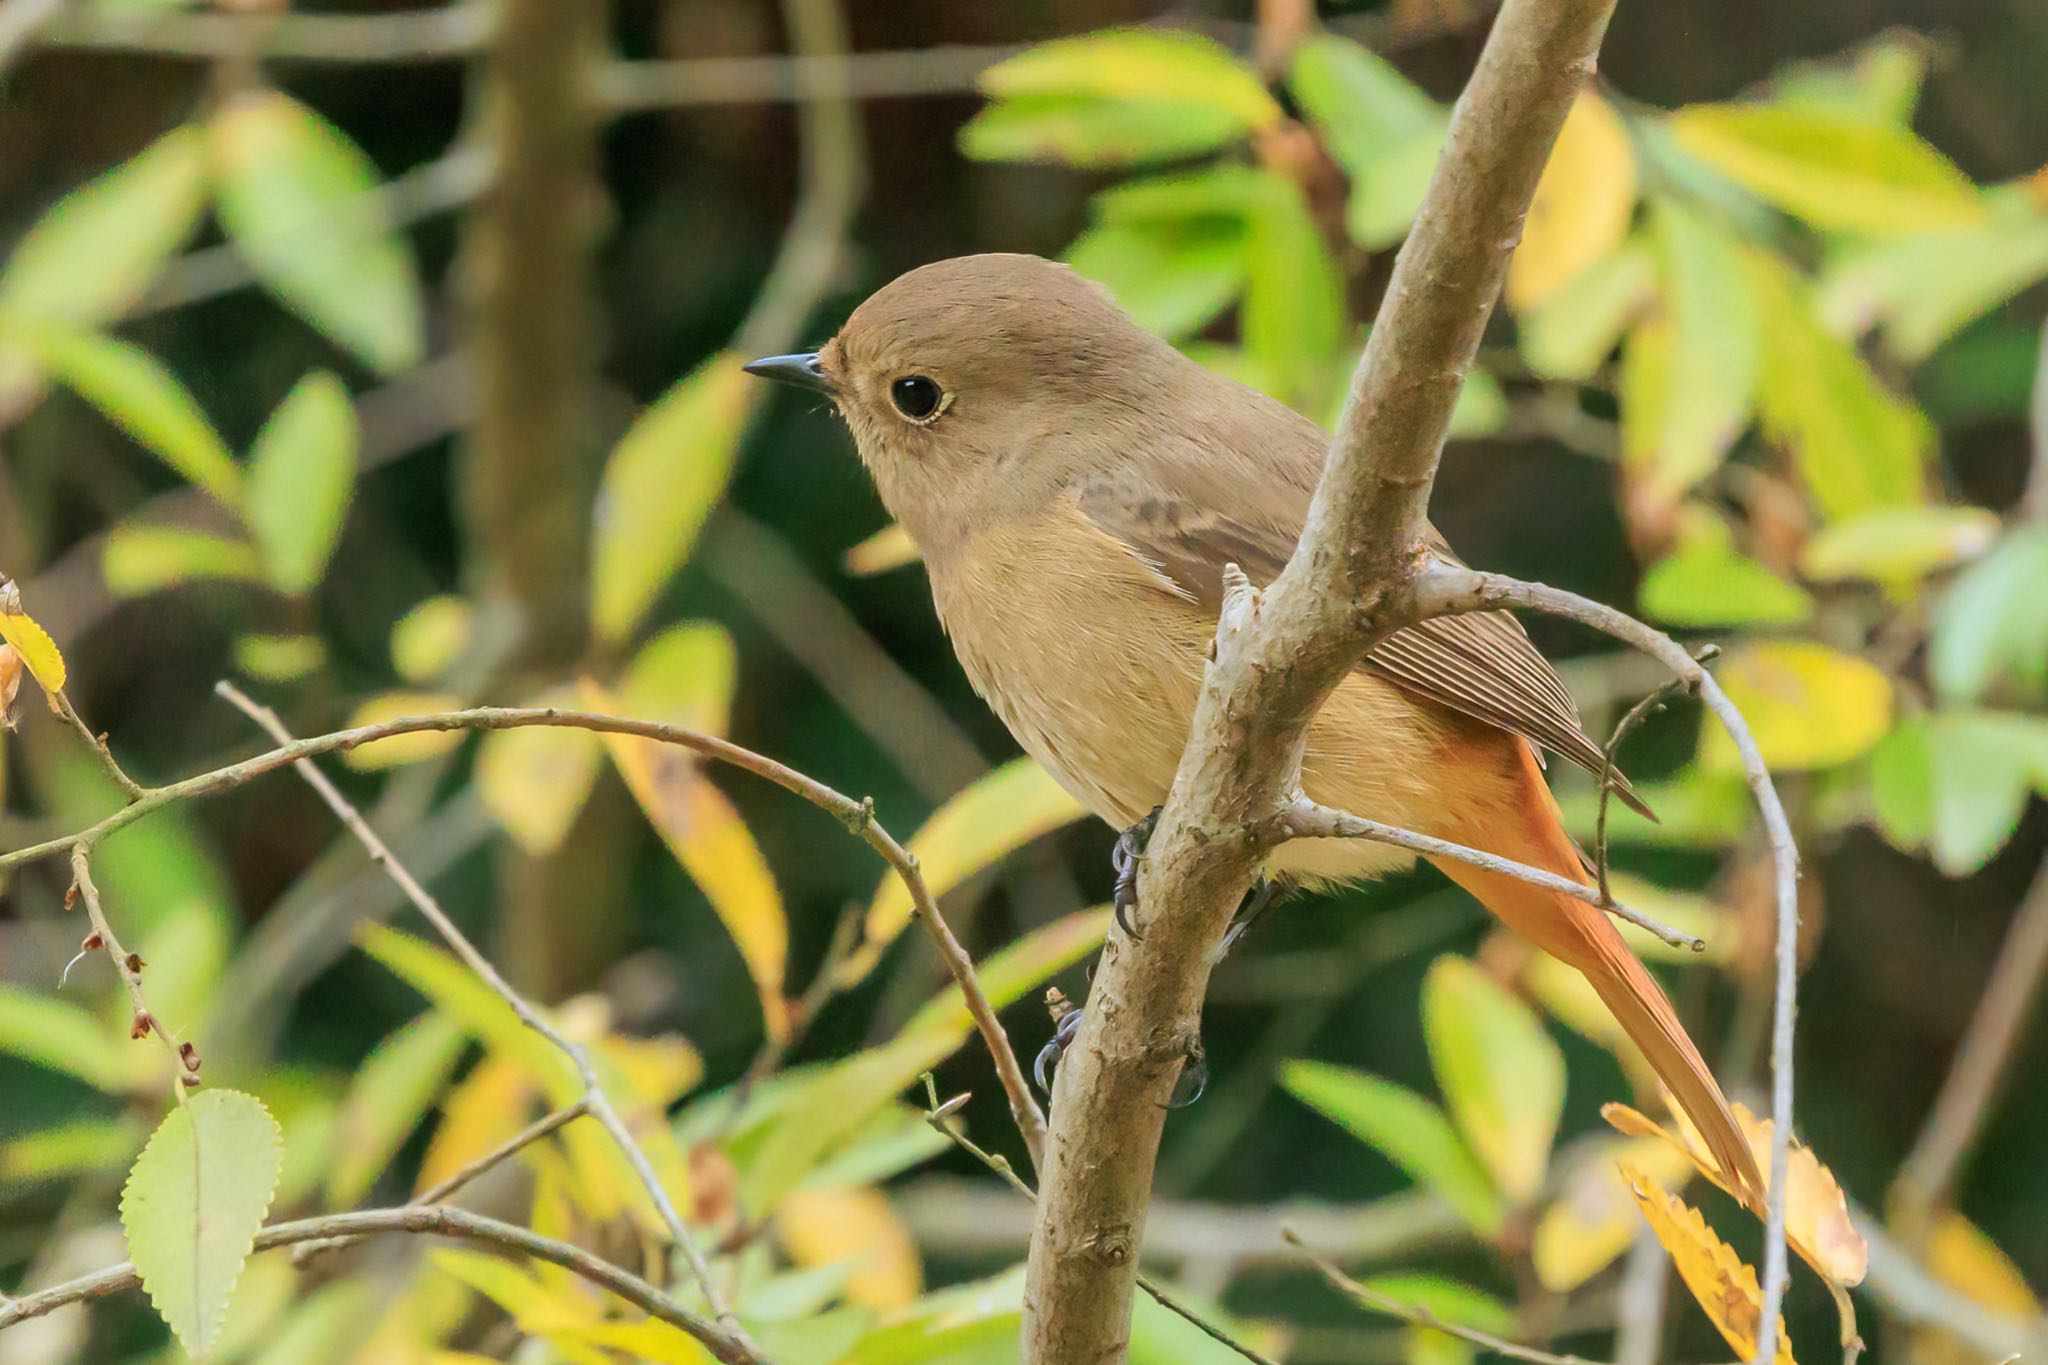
(803, 370)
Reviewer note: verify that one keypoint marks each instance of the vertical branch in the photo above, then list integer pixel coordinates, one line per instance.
(531, 463)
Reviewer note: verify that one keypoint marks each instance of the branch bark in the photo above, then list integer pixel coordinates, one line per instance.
(1278, 654)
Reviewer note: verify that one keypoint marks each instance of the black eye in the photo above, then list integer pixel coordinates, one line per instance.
(915, 397)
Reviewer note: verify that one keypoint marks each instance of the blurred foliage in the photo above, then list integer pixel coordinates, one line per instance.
(1765, 361)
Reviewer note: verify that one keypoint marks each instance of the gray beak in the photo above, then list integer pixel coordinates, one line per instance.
(802, 370)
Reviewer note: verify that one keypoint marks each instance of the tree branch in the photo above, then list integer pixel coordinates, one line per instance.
(431, 1220)
(428, 35)
(143, 1022)
(1278, 654)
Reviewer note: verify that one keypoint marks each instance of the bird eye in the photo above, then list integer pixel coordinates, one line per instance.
(916, 397)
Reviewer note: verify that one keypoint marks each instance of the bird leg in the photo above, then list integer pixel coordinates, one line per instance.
(1250, 910)
(1124, 858)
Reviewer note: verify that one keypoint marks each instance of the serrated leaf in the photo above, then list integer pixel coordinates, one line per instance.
(535, 779)
(193, 1203)
(1582, 205)
(393, 1090)
(1689, 374)
(138, 560)
(1405, 1128)
(984, 822)
(94, 253)
(1838, 172)
(660, 484)
(889, 548)
(295, 196)
(1807, 705)
(820, 1227)
(396, 750)
(31, 643)
(1857, 445)
(1592, 1221)
(1502, 1075)
(1719, 1280)
(1991, 627)
(133, 390)
(302, 469)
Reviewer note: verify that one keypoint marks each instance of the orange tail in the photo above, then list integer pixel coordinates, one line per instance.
(1583, 937)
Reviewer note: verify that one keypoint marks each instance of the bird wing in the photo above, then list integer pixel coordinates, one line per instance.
(1481, 664)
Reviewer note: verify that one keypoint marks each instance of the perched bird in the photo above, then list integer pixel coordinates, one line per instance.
(1076, 487)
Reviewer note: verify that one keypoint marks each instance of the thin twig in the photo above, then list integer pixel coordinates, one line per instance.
(936, 1116)
(143, 1021)
(594, 1096)
(130, 788)
(1983, 1061)
(857, 816)
(1306, 819)
(1418, 1316)
(433, 1220)
(1444, 588)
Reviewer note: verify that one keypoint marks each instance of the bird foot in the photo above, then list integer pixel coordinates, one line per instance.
(1193, 1079)
(1128, 853)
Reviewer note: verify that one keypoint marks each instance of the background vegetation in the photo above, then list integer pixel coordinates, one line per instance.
(385, 363)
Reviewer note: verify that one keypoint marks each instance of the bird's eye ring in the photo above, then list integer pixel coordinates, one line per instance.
(918, 398)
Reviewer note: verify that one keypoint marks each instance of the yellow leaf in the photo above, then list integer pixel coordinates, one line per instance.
(489, 1106)
(705, 833)
(1808, 706)
(1582, 204)
(990, 818)
(1134, 64)
(406, 748)
(1961, 1256)
(824, 1226)
(535, 779)
(1719, 1280)
(37, 651)
(889, 548)
(1593, 1219)
(650, 1340)
(430, 637)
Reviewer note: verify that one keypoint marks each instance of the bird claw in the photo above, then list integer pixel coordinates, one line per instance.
(1125, 858)
(1197, 1072)
(1049, 1055)
(1249, 911)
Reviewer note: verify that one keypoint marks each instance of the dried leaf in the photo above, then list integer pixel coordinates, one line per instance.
(1720, 1281)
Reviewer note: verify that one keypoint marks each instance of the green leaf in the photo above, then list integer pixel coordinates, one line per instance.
(463, 996)
(145, 559)
(295, 196)
(1381, 128)
(1985, 764)
(978, 826)
(1173, 277)
(1925, 288)
(279, 658)
(1808, 706)
(1481, 408)
(1708, 582)
(1857, 445)
(1898, 544)
(428, 640)
(1081, 130)
(94, 253)
(1447, 1300)
(301, 472)
(1839, 172)
(192, 1205)
(1689, 376)
(1572, 332)
(1293, 315)
(90, 1147)
(1406, 1129)
(1502, 1075)
(394, 1088)
(1877, 82)
(1902, 785)
(660, 483)
(137, 394)
(1991, 628)
(62, 1036)
(1137, 65)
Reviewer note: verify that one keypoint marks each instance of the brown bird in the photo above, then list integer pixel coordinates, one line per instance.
(1076, 487)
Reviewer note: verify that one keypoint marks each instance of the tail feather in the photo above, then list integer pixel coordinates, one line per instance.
(1582, 936)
